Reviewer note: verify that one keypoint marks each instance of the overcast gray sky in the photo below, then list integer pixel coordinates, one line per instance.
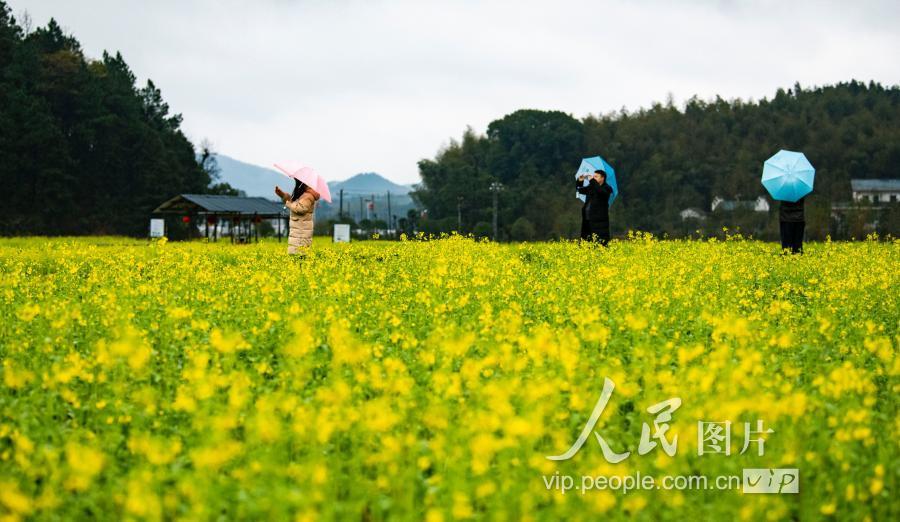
(352, 86)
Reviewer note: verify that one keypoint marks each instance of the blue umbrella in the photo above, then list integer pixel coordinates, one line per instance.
(788, 176)
(588, 166)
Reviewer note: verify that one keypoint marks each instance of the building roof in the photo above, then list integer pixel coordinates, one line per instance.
(213, 204)
(887, 185)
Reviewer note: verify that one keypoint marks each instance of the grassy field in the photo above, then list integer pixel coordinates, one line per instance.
(431, 379)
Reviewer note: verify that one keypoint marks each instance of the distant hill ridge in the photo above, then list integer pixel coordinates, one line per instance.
(260, 181)
(368, 182)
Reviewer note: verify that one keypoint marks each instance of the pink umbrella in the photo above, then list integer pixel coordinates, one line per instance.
(307, 175)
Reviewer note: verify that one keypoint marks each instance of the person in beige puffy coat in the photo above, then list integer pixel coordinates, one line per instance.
(302, 204)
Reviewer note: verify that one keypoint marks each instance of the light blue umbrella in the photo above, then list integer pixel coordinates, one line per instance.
(788, 175)
(588, 166)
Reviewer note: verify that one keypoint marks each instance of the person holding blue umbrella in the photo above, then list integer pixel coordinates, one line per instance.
(595, 212)
(595, 185)
(789, 176)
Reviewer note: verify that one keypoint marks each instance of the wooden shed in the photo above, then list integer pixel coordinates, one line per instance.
(235, 216)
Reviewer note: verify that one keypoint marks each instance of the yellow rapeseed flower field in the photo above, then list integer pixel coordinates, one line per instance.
(432, 379)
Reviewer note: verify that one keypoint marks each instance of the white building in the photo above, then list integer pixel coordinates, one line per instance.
(692, 213)
(875, 190)
(759, 204)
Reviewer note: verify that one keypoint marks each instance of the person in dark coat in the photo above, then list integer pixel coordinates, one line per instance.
(595, 212)
(792, 221)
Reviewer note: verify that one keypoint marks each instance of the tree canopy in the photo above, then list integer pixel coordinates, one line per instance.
(667, 159)
(84, 150)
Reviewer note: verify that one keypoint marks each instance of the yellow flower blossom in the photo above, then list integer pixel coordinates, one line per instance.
(84, 463)
(12, 498)
(431, 378)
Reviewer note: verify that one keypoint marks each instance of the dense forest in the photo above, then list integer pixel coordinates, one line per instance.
(83, 150)
(668, 159)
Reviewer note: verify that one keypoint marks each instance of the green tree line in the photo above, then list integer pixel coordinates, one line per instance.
(667, 159)
(83, 150)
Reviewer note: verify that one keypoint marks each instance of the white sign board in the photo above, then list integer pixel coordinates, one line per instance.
(341, 233)
(157, 227)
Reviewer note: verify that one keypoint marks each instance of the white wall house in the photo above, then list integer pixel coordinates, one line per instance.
(692, 213)
(759, 204)
(875, 191)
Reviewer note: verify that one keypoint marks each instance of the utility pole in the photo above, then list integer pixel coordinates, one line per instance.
(360, 208)
(341, 207)
(496, 187)
(459, 200)
(389, 212)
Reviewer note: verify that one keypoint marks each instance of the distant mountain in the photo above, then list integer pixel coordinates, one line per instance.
(252, 179)
(359, 202)
(368, 183)
(261, 181)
